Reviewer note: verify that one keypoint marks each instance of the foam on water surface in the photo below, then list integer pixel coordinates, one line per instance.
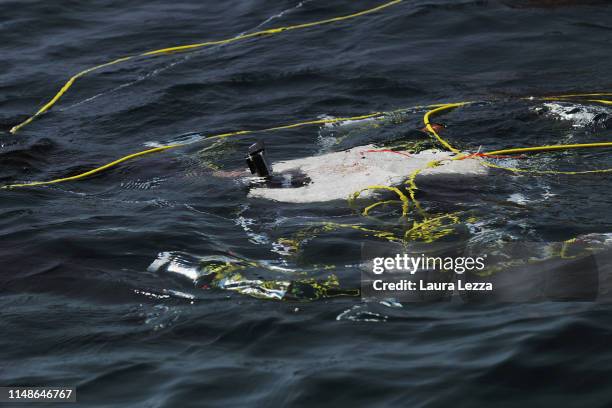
(579, 115)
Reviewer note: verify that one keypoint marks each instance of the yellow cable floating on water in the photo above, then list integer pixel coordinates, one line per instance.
(271, 31)
(93, 171)
(576, 95)
(547, 148)
(569, 97)
(437, 108)
(173, 146)
(430, 129)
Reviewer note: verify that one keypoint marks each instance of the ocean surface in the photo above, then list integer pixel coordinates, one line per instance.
(159, 283)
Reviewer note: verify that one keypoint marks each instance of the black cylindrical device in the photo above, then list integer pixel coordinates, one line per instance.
(256, 159)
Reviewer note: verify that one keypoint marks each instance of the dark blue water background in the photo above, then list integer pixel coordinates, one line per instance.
(81, 304)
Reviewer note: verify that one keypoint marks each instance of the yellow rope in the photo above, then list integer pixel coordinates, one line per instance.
(405, 201)
(366, 211)
(271, 31)
(213, 137)
(93, 171)
(62, 91)
(565, 98)
(547, 148)
(430, 129)
(604, 101)
(577, 95)
(426, 119)
(422, 229)
(411, 182)
(431, 228)
(551, 172)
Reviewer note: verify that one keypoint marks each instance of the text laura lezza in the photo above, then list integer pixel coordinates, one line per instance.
(410, 285)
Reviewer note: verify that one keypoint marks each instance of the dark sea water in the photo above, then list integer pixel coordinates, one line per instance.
(103, 281)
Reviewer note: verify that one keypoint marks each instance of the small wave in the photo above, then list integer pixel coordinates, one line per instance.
(518, 198)
(359, 313)
(142, 184)
(344, 123)
(151, 295)
(165, 294)
(281, 14)
(187, 138)
(161, 317)
(246, 224)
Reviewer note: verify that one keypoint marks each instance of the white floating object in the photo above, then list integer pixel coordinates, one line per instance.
(336, 176)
